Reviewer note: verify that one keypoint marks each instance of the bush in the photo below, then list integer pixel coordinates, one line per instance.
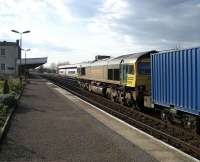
(3, 110)
(6, 87)
(15, 86)
(3, 114)
(8, 100)
(1, 86)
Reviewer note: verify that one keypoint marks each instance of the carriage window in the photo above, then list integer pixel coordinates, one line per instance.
(144, 68)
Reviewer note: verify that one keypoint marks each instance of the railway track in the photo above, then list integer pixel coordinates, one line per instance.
(183, 140)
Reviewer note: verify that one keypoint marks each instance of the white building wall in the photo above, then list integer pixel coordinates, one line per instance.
(68, 70)
(10, 58)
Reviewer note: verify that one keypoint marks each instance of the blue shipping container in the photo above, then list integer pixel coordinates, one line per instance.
(176, 79)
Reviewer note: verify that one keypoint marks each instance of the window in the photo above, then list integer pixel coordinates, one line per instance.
(144, 68)
(126, 69)
(82, 71)
(113, 74)
(116, 74)
(71, 72)
(11, 68)
(3, 52)
(3, 67)
(110, 74)
(130, 69)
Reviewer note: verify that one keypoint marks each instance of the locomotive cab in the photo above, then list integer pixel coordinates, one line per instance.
(127, 74)
(135, 76)
(143, 80)
(143, 68)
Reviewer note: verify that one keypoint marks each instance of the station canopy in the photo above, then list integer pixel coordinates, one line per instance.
(32, 63)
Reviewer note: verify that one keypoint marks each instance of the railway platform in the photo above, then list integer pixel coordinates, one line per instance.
(51, 124)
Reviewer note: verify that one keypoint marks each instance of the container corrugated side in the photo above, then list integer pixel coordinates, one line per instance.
(176, 79)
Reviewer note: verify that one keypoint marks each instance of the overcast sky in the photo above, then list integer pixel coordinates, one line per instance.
(77, 30)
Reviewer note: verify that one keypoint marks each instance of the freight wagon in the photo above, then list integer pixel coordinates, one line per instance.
(176, 85)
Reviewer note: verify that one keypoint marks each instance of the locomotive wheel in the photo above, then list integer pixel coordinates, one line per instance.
(121, 101)
(113, 95)
(121, 98)
(128, 100)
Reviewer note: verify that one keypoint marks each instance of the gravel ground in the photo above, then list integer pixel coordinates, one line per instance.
(49, 127)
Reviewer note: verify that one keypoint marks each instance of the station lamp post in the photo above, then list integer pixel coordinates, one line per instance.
(21, 33)
(25, 70)
(26, 50)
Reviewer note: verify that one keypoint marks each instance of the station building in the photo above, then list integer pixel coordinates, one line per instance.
(9, 54)
(11, 61)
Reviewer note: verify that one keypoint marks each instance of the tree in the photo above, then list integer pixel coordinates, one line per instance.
(53, 66)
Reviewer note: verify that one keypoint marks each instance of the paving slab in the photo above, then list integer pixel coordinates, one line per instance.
(50, 127)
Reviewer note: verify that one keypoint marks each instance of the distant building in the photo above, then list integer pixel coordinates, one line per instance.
(9, 54)
(68, 70)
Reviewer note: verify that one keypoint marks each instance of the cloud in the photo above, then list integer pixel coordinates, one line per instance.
(75, 30)
(83, 9)
(152, 22)
(50, 47)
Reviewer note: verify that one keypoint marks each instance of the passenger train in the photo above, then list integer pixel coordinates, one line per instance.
(168, 81)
